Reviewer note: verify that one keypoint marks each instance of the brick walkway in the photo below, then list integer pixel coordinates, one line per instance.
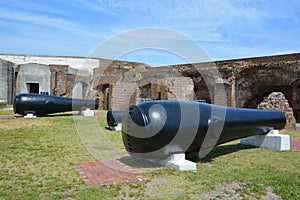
(106, 172)
(7, 117)
(295, 144)
(100, 113)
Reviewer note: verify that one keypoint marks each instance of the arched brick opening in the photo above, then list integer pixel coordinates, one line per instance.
(255, 83)
(154, 91)
(202, 92)
(296, 99)
(263, 91)
(103, 94)
(145, 91)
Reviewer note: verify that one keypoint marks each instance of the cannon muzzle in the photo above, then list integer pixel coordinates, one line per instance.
(41, 104)
(114, 117)
(157, 129)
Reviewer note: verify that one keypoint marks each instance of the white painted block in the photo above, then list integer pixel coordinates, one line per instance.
(88, 113)
(29, 116)
(178, 162)
(273, 140)
(116, 128)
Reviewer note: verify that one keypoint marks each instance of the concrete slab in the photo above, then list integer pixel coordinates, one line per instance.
(178, 162)
(116, 128)
(29, 116)
(88, 113)
(273, 140)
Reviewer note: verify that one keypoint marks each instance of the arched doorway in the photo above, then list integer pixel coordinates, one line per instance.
(145, 91)
(103, 94)
(255, 83)
(263, 91)
(296, 99)
(202, 92)
(106, 96)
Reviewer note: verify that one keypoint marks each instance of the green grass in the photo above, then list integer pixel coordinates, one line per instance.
(37, 158)
(7, 110)
(290, 132)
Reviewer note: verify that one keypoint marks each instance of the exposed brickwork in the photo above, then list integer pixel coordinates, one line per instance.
(106, 172)
(177, 88)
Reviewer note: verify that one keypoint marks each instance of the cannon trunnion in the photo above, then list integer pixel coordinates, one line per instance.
(41, 104)
(158, 129)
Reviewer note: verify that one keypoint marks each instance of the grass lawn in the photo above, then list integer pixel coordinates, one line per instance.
(37, 158)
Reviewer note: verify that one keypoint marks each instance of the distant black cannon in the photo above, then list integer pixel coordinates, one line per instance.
(158, 129)
(41, 104)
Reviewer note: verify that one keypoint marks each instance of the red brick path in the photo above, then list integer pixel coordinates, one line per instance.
(295, 144)
(100, 113)
(106, 172)
(7, 117)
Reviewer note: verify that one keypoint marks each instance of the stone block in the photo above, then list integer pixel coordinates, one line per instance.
(116, 128)
(29, 116)
(273, 140)
(178, 162)
(88, 113)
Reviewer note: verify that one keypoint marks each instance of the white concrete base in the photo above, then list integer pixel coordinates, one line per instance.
(116, 128)
(29, 116)
(273, 140)
(178, 162)
(88, 113)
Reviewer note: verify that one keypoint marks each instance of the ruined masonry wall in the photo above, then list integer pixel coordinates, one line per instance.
(6, 81)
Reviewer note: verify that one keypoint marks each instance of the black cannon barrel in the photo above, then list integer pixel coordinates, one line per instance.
(157, 129)
(41, 104)
(114, 117)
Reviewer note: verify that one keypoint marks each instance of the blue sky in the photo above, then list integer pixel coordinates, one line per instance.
(225, 29)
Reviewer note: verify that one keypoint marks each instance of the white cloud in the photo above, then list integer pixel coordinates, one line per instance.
(248, 26)
(199, 19)
(20, 18)
(35, 7)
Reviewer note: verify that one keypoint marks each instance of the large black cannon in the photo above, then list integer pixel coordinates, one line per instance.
(114, 117)
(41, 104)
(158, 129)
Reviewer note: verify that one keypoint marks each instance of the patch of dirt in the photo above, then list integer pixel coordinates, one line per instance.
(236, 191)
(23, 123)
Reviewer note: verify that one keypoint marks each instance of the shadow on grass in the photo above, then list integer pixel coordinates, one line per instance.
(57, 115)
(138, 162)
(217, 152)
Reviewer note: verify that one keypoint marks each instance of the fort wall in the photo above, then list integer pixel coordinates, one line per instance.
(116, 84)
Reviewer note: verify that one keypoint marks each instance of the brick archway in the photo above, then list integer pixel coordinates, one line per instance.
(202, 92)
(104, 96)
(262, 92)
(145, 91)
(255, 83)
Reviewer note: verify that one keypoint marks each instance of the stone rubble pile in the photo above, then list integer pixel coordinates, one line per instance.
(277, 101)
